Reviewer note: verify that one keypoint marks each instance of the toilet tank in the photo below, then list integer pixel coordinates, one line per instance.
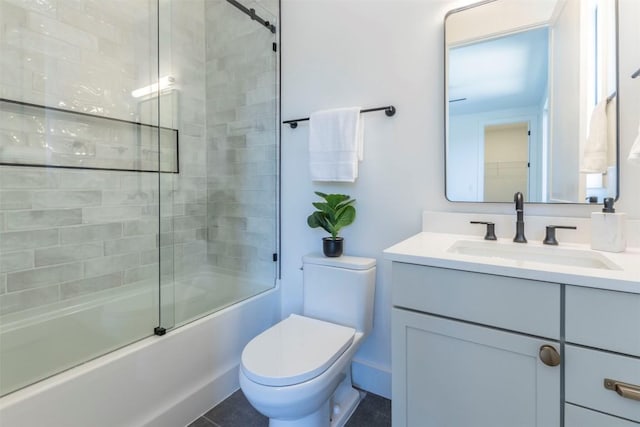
(340, 290)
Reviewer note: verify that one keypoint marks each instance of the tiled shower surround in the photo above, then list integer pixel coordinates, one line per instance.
(241, 135)
(68, 233)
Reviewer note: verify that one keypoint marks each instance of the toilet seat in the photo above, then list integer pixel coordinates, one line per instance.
(295, 350)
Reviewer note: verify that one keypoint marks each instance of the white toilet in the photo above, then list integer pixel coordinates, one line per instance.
(298, 372)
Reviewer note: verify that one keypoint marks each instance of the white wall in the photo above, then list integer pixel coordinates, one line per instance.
(347, 52)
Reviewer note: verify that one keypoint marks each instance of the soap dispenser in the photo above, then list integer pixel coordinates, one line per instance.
(608, 229)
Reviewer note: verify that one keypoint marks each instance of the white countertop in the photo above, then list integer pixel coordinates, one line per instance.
(431, 249)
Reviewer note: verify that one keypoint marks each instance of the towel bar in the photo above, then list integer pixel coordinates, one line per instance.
(389, 110)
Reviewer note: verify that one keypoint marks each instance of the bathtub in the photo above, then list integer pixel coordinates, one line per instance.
(156, 381)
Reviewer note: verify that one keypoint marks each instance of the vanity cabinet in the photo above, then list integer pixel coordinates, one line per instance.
(466, 349)
(602, 348)
(477, 327)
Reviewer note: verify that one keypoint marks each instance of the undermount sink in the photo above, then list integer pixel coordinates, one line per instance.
(540, 254)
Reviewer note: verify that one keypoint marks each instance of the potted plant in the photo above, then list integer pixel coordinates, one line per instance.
(335, 212)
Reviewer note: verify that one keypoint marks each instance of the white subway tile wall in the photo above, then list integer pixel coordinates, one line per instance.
(241, 89)
(31, 135)
(68, 233)
(65, 233)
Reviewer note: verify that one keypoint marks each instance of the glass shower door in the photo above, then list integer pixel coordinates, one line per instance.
(222, 206)
(79, 212)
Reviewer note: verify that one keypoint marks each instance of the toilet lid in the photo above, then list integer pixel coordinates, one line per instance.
(295, 350)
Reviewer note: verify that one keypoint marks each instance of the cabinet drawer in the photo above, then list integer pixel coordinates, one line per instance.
(585, 371)
(516, 304)
(603, 319)
(575, 416)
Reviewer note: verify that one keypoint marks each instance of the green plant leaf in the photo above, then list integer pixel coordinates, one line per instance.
(334, 200)
(345, 203)
(317, 219)
(334, 213)
(342, 208)
(323, 195)
(323, 207)
(347, 216)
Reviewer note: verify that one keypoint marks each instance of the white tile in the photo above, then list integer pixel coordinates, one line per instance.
(48, 218)
(32, 41)
(43, 6)
(90, 233)
(17, 301)
(110, 214)
(87, 286)
(65, 199)
(15, 177)
(56, 29)
(10, 200)
(147, 272)
(39, 277)
(17, 240)
(12, 261)
(129, 244)
(69, 253)
(110, 264)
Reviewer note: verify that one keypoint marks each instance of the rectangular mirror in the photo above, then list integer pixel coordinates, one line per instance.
(531, 101)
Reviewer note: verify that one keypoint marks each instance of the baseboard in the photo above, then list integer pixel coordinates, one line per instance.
(371, 377)
(193, 405)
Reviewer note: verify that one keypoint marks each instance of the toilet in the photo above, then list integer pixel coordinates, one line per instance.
(298, 372)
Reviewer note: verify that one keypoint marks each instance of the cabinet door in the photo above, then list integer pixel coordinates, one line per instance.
(448, 373)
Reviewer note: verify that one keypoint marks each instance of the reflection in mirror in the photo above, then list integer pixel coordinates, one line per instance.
(531, 101)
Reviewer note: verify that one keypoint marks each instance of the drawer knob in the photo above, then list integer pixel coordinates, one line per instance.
(549, 355)
(629, 391)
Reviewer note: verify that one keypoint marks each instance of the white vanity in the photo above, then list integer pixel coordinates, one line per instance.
(482, 336)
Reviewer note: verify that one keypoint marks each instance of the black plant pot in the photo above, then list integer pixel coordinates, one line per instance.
(332, 247)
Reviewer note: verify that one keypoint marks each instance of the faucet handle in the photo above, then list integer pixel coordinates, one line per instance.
(550, 236)
(491, 229)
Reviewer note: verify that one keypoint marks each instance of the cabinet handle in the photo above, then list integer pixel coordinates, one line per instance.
(549, 355)
(628, 391)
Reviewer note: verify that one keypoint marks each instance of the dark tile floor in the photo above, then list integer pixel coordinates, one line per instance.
(236, 411)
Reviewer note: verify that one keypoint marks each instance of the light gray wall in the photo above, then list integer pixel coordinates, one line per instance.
(391, 52)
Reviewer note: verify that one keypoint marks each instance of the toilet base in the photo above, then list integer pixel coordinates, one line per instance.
(333, 413)
(344, 403)
(320, 418)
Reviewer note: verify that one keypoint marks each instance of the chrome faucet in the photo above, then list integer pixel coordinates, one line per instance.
(519, 200)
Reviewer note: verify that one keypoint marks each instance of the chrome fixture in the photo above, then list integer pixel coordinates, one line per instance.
(519, 201)
(550, 236)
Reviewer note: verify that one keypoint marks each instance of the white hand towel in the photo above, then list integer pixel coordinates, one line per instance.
(634, 154)
(335, 144)
(594, 156)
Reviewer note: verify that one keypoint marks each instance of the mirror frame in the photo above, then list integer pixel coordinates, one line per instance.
(445, 57)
